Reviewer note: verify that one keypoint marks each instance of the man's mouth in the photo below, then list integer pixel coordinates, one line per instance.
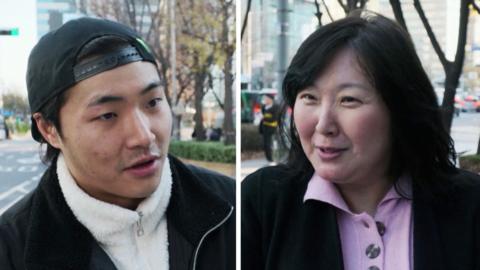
(143, 167)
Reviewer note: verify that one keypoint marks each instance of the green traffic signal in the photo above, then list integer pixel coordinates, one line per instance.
(10, 32)
(14, 32)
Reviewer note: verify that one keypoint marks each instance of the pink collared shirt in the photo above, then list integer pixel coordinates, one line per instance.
(381, 242)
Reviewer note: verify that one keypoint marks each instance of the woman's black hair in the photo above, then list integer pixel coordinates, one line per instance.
(421, 145)
(51, 110)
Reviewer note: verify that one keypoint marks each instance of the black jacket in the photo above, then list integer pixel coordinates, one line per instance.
(280, 231)
(41, 232)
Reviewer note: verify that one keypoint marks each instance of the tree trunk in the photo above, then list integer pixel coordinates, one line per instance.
(454, 69)
(176, 120)
(228, 129)
(228, 103)
(199, 129)
(451, 83)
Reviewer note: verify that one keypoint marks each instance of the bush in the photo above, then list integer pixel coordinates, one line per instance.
(204, 151)
(470, 163)
(251, 138)
(22, 127)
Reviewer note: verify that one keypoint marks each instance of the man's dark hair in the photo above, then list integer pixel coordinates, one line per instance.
(51, 110)
(421, 145)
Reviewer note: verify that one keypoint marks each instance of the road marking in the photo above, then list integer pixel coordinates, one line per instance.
(36, 177)
(31, 160)
(2, 210)
(27, 169)
(6, 169)
(18, 188)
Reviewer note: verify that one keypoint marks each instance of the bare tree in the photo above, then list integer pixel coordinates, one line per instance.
(452, 69)
(200, 47)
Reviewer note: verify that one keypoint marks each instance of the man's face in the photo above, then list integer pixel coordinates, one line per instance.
(115, 133)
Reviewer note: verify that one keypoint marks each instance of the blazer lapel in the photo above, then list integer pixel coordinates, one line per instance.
(320, 248)
(315, 244)
(426, 242)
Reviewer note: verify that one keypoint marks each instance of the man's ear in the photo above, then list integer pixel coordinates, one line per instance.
(48, 130)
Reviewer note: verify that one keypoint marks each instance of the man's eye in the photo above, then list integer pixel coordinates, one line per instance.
(107, 116)
(307, 97)
(154, 102)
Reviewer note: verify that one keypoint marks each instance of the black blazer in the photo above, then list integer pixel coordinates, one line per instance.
(40, 232)
(280, 231)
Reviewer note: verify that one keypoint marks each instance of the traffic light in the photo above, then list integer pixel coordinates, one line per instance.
(9, 32)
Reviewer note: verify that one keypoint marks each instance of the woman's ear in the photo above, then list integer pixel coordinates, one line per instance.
(48, 130)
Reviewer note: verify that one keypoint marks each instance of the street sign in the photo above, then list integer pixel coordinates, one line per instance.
(10, 32)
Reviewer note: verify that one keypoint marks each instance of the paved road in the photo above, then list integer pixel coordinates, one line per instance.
(20, 170)
(465, 132)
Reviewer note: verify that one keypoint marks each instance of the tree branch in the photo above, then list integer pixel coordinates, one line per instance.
(398, 12)
(328, 11)
(462, 35)
(245, 20)
(318, 14)
(344, 7)
(431, 35)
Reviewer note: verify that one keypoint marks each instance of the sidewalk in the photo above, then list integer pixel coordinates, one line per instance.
(251, 165)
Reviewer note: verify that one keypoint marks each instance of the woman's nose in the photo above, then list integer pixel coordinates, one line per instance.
(327, 124)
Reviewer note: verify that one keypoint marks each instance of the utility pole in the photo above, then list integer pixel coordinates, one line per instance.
(282, 44)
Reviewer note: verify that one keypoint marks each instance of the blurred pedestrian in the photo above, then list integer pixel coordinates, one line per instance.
(268, 124)
(112, 197)
(370, 181)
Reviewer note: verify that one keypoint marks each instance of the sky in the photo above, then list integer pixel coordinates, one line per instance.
(14, 50)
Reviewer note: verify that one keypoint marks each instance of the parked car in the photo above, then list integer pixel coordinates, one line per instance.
(468, 103)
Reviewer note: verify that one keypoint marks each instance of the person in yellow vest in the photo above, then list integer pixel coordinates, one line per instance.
(269, 124)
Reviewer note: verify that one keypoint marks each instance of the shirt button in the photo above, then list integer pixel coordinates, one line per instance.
(373, 267)
(372, 251)
(381, 228)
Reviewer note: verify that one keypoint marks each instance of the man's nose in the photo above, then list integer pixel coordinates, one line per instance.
(327, 122)
(139, 132)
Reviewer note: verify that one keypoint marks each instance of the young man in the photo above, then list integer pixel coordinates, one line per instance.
(112, 197)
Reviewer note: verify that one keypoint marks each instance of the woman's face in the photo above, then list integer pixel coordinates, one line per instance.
(344, 125)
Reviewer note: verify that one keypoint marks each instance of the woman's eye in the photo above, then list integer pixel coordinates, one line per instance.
(107, 116)
(154, 102)
(348, 100)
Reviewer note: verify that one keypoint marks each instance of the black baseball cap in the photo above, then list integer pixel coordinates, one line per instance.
(52, 65)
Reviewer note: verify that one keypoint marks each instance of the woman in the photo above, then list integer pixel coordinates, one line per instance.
(370, 181)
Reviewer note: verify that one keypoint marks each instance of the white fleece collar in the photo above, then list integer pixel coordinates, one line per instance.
(111, 224)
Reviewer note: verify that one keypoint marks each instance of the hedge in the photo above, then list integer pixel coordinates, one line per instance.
(204, 151)
(251, 138)
(470, 163)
